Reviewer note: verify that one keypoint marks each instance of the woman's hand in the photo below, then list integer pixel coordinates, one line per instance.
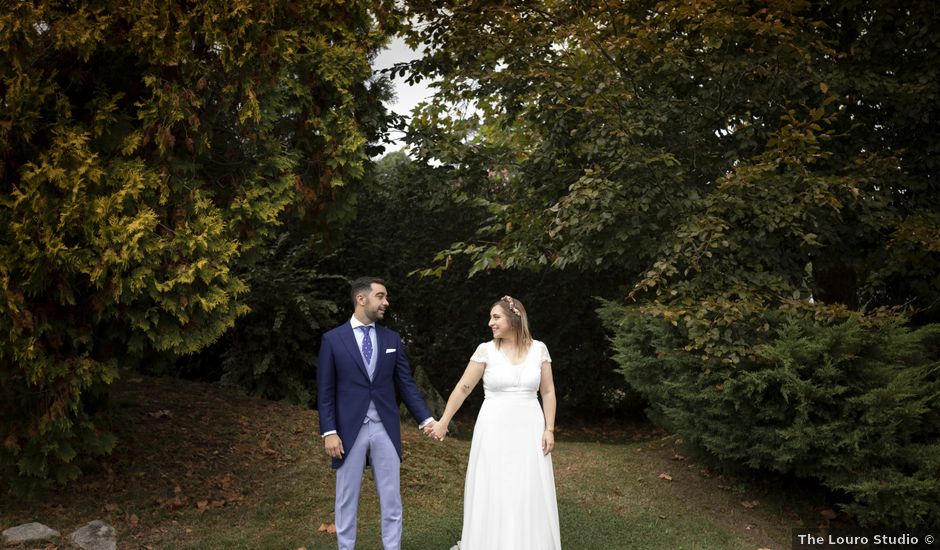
(439, 431)
(548, 441)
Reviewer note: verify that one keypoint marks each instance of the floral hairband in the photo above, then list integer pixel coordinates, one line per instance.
(512, 305)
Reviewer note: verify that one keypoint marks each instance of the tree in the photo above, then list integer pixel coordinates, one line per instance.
(272, 351)
(147, 151)
(618, 127)
(405, 215)
(746, 167)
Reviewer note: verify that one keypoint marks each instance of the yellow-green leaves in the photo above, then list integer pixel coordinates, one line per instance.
(147, 151)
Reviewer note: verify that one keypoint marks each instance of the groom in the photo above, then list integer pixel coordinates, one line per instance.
(361, 365)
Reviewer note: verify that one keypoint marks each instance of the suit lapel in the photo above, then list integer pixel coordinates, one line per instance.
(379, 349)
(349, 339)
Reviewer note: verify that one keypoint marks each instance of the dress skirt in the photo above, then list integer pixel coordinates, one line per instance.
(509, 494)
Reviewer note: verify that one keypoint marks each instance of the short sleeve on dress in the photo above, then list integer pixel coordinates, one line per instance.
(480, 355)
(545, 356)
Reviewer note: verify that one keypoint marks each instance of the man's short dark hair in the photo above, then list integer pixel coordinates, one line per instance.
(363, 285)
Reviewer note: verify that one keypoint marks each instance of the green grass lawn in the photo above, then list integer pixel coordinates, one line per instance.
(204, 467)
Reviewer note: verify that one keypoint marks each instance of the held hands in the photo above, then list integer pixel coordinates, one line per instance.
(436, 431)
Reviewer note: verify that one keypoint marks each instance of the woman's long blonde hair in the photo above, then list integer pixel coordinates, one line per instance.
(518, 320)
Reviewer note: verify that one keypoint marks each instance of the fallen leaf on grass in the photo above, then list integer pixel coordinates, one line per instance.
(828, 513)
(265, 447)
(133, 520)
(161, 414)
(111, 507)
(174, 503)
(327, 527)
(763, 549)
(750, 504)
(226, 481)
(667, 477)
(202, 505)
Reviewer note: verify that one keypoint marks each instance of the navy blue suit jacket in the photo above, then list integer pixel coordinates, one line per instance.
(344, 389)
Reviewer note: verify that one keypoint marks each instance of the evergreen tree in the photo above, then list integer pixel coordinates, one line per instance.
(147, 150)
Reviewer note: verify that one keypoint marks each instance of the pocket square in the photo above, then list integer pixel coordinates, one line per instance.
(390, 350)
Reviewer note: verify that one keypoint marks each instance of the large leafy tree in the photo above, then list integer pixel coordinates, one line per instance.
(628, 133)
(756, 171)
(147, 149)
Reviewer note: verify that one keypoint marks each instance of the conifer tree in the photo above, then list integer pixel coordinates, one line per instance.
(147, 149)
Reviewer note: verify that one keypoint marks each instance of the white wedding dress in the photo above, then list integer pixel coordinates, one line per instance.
(509, 495)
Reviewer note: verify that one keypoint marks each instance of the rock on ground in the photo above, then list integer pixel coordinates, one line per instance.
(29, 532)
(95, 535)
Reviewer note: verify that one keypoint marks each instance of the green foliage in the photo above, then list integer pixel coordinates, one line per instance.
(147, 150)
(409, 212)
(736, 145)
(853, 403)
(272, 351)
(742, 166)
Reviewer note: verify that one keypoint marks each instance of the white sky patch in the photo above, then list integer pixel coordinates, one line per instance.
(406, 96)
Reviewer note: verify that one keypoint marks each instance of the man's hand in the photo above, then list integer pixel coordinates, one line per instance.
(334, 446)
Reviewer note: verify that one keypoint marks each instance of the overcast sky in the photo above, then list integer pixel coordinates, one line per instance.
(406, 96)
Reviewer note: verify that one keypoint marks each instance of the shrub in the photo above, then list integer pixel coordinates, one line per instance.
(272, 352)
(852, 402)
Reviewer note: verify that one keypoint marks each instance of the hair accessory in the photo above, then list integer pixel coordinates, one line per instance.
(512, 305)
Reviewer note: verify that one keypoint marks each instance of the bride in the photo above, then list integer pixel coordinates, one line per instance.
(509, 493)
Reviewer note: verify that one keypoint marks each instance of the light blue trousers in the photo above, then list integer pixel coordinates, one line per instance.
(386, 469)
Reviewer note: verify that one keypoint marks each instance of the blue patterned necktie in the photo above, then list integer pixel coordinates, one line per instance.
(366, 345)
